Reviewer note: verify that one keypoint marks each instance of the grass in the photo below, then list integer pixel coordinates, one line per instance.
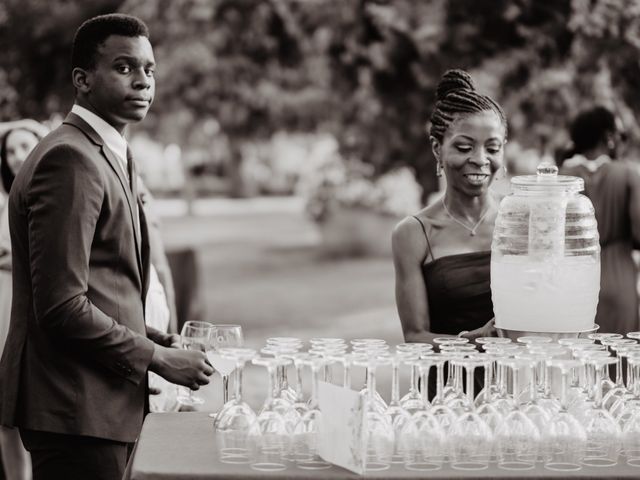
(265, 271)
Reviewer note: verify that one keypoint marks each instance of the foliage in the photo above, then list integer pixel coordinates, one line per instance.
(365, 71)
(331, 181)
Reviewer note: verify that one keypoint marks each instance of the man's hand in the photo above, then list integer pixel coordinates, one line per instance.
(189, 368)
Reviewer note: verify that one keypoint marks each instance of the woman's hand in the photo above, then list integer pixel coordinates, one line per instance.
(488, 330)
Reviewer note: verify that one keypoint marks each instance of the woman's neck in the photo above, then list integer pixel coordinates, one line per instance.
(464, 206)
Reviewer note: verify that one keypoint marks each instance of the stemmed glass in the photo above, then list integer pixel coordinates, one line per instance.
(307, 429)
(517, 437)
(224, 335)
(603, 432)
(470, 437)
(630, 417)
(194, 336)
(377, 429)
(397, 414)
(420, 439)
(236, 417)
(413, 400)
(270, 434)
(566, 437)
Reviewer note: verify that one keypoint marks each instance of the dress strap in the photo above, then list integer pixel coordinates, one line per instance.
(425, 236)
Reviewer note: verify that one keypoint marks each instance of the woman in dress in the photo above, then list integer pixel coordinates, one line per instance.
(613, 186)
(15, 145)
(442, 253)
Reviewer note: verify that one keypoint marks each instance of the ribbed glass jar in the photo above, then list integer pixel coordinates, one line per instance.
(545, 255)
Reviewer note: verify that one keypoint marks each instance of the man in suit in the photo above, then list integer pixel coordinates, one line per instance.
(73, 372)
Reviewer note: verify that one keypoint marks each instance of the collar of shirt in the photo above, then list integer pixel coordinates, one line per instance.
(591, 165)
(110, 136)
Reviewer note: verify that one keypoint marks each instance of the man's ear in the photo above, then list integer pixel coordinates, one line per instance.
(436, 147)
(81, 80)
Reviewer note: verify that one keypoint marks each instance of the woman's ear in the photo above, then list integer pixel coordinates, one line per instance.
(436, 148)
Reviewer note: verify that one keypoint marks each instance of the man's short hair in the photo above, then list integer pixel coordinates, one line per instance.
(93, 32)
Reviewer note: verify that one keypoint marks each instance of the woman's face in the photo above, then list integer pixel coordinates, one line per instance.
(19, 145)
(472, 151)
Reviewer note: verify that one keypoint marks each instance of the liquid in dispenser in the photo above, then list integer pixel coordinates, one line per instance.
(545, 256)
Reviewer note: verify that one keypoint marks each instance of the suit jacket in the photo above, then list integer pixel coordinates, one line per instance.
(76, 356)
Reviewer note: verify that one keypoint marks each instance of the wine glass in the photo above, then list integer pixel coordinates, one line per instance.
(307, 429)
(603, 432)
(224, 335)
(470, 437)
(194, 336)
(517, 437)
(236, 417)
(270, 434)
(566, 437)
(379, 436)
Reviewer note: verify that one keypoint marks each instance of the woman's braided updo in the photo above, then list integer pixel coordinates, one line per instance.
(456, 95)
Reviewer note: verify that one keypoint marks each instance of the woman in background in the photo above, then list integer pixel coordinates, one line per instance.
(613, 186)
(442, 254)
(15, 146)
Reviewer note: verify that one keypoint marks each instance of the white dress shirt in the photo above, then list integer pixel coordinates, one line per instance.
(112, 139)
(110, 136)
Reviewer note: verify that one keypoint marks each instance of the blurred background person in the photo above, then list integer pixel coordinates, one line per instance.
(17, 141)
(160, 309)
(613, 185)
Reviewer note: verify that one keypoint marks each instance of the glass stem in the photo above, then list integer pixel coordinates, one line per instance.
(273, 382)
(439, 382)
(346, 374)
(516, 386)
(238, 383)
(619, 380)
(299, 394)
(414, 379)
(636, 380)
(470, 392)
(371, 382)
(533, 384)
(597, 389)
(424, 377)
(315, 370)
(395, 384)
(564, 374)
(225, 389)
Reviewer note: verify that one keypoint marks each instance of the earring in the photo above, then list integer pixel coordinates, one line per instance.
(504, 167)
(438, 169)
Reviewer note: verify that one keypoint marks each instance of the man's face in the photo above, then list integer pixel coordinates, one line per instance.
(122, 84)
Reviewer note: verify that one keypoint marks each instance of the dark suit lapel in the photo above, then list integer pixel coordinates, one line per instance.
(78, 122)
(145, 251)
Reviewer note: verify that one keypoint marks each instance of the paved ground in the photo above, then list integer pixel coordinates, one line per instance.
(261, 268)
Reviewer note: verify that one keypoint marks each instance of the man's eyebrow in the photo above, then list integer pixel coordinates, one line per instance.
(133, 60)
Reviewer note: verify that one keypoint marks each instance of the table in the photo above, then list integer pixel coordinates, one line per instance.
(181, 446)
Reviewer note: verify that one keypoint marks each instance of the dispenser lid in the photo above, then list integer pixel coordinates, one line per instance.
(547, 179)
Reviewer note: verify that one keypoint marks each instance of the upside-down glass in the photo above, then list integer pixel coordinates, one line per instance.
(377, 429)
(233, 422)
(517, 437)
(420, 439)
(566, 437)
(306, 431)
(470, 438)
(194, 336)
(270, 435)
(603, 432)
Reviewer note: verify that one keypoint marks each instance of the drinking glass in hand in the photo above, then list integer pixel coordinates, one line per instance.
(223, 336)
(194, 336)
